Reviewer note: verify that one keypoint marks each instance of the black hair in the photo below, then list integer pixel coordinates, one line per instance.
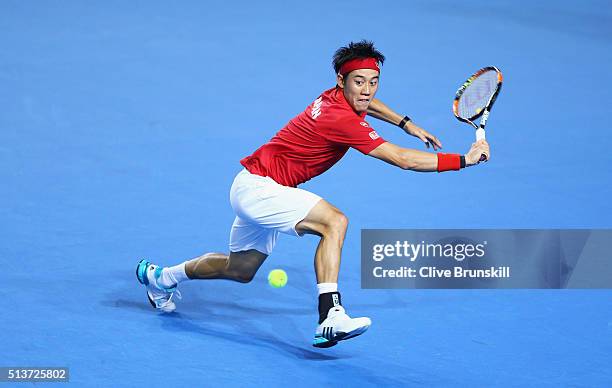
(361, 49)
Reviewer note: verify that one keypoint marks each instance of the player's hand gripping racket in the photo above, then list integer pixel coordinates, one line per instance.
(476, 97)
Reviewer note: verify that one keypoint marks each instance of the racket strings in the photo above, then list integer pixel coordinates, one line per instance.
(477, 94)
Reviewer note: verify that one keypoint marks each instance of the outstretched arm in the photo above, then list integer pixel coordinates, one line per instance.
(381, 111)
(409, 159)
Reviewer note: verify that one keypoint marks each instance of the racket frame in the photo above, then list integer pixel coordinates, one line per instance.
(480, 132)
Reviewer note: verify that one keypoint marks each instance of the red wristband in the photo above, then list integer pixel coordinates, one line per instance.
(447, 162)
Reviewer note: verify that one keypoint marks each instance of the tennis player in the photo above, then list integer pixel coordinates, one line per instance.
(267, 201)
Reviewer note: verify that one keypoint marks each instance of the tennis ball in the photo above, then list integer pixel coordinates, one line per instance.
(277, 278)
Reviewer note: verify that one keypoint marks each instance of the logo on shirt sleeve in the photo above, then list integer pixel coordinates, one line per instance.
(364, 124)
(374, 135)
(316, 108)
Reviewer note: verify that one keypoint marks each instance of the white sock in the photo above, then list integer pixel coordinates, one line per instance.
(327, 287)
(172, 276)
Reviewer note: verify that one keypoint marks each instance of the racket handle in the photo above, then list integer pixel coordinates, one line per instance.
(480, 135)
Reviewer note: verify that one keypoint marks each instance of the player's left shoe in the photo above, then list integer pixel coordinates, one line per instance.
(160, 297)
(338, 326)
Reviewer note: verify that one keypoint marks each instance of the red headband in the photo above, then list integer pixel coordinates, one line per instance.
(359, 63)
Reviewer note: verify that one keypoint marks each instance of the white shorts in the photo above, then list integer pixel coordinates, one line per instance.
(264, 209)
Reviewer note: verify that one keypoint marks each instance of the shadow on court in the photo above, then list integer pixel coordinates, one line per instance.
(203, 317)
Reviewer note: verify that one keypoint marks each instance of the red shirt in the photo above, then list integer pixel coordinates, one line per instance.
(313, 141)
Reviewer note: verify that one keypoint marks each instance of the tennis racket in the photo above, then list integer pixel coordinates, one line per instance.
(476, 97)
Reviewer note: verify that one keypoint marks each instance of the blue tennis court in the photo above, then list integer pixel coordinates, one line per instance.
(121, 130)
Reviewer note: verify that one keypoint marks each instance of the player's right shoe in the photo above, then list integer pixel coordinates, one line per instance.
(338, 326)
(160, 297)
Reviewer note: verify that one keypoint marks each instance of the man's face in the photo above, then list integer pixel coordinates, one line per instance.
(359, 87)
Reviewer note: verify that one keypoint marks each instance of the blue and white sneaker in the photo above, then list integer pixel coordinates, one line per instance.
(338, 326)
(160, 297)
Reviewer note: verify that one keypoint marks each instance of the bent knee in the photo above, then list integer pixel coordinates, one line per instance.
(336, 223)
(243, 270)
(244, 278)
(324, 220)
